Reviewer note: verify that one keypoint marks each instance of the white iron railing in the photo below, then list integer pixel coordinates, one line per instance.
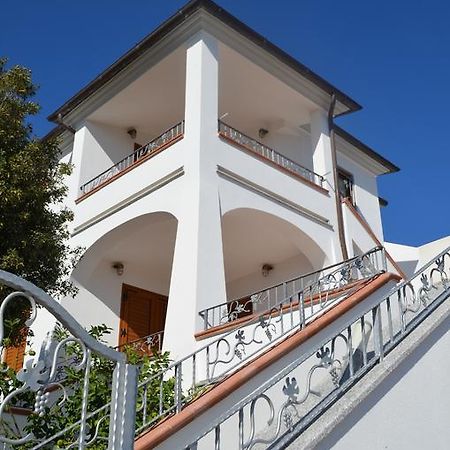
(147, 344)
(265, 299)
(279, 410)
(42, 385)
(231, 350)
(160, 393)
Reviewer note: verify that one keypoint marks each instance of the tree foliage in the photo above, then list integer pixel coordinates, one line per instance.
(33, 224)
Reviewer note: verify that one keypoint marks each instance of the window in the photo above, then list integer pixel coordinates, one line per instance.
(345, 185)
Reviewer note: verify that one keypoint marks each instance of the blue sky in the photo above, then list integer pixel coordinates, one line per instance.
(393, 57)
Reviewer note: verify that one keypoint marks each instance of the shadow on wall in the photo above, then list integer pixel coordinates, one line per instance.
(145, 246)
(252, 238)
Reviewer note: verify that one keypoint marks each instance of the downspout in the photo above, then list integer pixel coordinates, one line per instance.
(340, 219)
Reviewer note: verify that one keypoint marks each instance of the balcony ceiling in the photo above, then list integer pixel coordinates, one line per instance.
(252, 97)
(144, 245)
(152, 103)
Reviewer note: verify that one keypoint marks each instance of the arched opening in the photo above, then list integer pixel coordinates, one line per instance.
(262, 250)
(124, 278)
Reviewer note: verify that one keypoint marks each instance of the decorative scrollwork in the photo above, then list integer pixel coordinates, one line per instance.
(289, 412)
(414, 296)
(46, 382)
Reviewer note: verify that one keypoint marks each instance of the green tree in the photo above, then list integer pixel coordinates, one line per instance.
(33, 224)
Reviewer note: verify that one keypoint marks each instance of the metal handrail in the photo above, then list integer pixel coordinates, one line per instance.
(42, 373)
(232, 310)
(223, 355)
(334, 365)
(142, 152)
(268, 153)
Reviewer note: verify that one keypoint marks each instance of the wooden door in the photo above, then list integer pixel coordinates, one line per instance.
(14, 356)
(142, 313)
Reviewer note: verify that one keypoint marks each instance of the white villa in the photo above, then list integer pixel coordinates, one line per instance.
(228, 220)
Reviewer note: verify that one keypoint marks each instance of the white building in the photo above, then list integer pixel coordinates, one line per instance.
(244, 176)
(208, 168)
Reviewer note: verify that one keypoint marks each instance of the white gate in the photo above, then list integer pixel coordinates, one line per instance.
(45, 387)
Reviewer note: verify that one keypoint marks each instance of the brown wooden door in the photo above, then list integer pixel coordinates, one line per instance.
(14, 356)
(142, 313)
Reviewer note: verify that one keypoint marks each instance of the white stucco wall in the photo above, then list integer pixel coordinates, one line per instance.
(412, 258)
(104, 146)
(365, 192)
(248, 284)
(295, 145)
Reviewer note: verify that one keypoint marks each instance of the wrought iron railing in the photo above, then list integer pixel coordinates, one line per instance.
(266, 152)
(147, 345)
(60, 381)
(263, 300)
(225, 354)
(301, 391)
(146, 151)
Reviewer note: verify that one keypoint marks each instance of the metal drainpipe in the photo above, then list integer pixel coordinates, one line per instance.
(340, 218)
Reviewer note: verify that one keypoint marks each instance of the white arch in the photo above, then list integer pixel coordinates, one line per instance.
(252, 237)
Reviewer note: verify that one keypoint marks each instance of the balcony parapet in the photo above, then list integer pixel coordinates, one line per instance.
(223, 314)
(139, 156)
(270, 155)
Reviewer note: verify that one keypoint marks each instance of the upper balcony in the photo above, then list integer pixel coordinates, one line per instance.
(134, 159)
(271, 156)
(257, 111)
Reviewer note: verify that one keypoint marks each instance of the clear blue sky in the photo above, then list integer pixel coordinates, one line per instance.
(393, 57)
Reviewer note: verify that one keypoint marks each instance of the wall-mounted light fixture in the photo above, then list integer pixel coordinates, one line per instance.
(266, 269)
(262, 132)
(118, 267)
(132, 132)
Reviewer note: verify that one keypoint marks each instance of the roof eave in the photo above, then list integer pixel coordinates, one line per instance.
(346, 136)
(173, 22)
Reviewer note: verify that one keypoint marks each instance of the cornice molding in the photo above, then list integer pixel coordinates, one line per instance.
(356, 155)
(158, 184)
(270, 195)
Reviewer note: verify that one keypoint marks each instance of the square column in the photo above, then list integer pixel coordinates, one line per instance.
(76, 160)
(198, 276)
(321, 145)
(324, 165)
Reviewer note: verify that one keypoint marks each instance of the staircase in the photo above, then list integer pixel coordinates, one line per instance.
(286, 386)
(264, 381)
(224, 355)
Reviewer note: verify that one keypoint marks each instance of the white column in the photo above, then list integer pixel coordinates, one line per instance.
(323, 165)
(321, 144)
(198, 279)
(76, 160)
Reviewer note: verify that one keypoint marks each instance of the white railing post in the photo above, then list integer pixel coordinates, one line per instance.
(123, 407)
(377, 332)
